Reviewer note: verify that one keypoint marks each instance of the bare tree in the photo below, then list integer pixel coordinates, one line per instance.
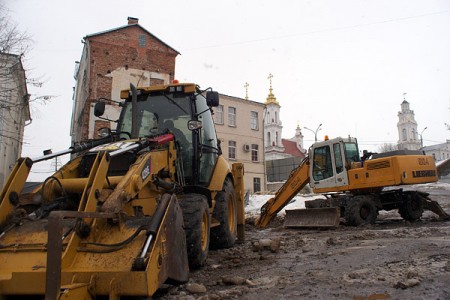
(14, 96)
(386, 147)
(11, 39)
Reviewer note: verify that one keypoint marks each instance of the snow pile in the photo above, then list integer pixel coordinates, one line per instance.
(434, 185)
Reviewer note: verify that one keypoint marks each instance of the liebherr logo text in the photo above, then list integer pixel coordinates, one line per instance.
(424, 173)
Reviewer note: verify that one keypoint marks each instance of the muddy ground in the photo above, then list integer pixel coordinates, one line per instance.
(391, 259)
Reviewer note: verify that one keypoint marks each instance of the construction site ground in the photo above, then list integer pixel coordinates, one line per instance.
(392, 259)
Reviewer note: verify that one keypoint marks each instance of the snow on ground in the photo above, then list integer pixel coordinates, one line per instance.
(252, 209)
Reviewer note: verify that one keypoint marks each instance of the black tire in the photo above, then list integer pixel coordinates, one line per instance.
(225, 211)
(360, 210)
(412, 207)
(197, 228)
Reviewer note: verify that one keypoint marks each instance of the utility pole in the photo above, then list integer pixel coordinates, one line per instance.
(421, 139)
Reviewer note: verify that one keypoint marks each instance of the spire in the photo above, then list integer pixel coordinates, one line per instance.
(246, 85)
(404, 98)
(271, 99)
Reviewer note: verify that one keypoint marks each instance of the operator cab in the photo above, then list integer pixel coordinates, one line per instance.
(183, 111)
(330, 161)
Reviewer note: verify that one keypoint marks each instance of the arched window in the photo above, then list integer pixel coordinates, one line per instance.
(268, 139)
(404, 134)
(276, 138)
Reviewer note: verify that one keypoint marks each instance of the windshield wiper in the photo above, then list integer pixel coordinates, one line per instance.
(173, 102)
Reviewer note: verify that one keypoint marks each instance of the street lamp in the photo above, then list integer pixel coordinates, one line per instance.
(314, 131)
(421, 140)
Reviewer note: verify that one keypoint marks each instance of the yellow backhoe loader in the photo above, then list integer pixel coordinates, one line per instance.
(355, 188)
(130, 211)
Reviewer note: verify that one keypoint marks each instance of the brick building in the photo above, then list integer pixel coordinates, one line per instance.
(110, 61)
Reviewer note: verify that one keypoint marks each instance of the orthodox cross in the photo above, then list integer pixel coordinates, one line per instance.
(246, 85)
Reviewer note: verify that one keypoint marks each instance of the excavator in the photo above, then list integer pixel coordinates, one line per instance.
(137, 207)
(355, 188)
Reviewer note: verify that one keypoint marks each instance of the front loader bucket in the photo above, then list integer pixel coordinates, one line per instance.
(327, 217)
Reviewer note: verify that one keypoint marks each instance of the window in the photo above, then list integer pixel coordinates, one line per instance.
(338, 158)
(404, 134)
(231, 149)
(254, 152)
(322, 166)
(351, 152)
(254, 120)
(268, 139)
(218, 115)
(142, 40)
(256, 184)
(231, 116)
(276, 117)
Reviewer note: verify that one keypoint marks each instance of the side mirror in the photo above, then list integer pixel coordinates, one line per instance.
(99, 109)
(194, 125)
(104, 132)
(212, 99)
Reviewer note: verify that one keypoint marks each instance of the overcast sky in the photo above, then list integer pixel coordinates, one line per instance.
(345, 64)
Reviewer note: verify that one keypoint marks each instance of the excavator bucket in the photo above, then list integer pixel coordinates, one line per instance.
(327, 217)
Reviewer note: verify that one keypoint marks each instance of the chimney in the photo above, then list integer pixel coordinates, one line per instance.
(132, 20)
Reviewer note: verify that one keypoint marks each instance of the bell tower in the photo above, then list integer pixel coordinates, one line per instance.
(272, 125)
(407, 128)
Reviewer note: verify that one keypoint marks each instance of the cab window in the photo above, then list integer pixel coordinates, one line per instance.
(322, 165)
(338, 158)
(351, 153)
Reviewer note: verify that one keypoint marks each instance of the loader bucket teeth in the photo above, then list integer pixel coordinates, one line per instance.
(312, 218)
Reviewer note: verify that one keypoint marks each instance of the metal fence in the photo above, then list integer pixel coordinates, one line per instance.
(280, 169)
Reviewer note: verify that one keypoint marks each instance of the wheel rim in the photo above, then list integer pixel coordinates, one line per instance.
(231, 214)
(364, 212)
(204, 235)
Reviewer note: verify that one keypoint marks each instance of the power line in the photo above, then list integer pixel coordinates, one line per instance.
(319, 31)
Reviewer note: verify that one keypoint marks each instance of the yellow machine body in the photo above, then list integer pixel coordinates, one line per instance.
(117, 219)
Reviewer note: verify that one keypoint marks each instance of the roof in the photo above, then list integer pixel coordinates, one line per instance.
(127, 26)
(243, 99)
(290, 147)
(442, 146)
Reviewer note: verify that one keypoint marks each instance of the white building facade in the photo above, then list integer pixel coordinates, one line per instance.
(240, 130)
(14, 112)
(439, 152)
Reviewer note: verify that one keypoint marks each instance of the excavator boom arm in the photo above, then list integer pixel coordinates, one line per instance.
(298, 178)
